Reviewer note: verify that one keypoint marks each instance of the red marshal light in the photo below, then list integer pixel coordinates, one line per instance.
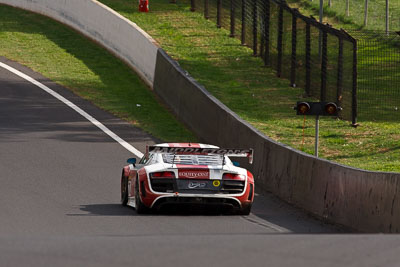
(303, 108)
(331, 108)
(317, 108)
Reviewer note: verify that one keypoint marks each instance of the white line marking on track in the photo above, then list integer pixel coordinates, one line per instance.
(266, 224)
(76, 108)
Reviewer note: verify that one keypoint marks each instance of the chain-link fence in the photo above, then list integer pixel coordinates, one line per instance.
(313, 56)
(378, 75)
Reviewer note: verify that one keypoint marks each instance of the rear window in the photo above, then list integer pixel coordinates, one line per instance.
(192, 159)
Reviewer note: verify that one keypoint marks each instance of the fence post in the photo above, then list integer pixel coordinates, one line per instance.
(324, 64)
(243, 37)
(354, 89)
(339, 92)
(308, 59)
(262, 43)
(254, 27)
(219, 10)
(279, 46)
(232, 19)
(266, 32)
(193, 5)
(294, 51)
(206, 13)
(387, 17)
(262, 31)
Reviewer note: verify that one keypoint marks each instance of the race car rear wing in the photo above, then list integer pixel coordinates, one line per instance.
(230, 152)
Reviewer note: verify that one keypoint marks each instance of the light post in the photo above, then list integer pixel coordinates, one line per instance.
(317, 109)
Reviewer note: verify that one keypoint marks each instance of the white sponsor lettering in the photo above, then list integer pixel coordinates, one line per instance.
(191, 174)
(193, 185)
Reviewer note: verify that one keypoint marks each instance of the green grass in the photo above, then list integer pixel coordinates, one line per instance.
(355, 19)
(71, 60)
(239, 80)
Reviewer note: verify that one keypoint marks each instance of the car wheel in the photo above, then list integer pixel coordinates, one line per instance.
(139, 206)
(245, 211)
(124, 190)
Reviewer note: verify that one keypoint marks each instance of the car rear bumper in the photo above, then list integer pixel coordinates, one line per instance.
(201, 199)
(154, 199)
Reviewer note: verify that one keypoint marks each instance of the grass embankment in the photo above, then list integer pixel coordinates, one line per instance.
(73, 61)
(228, 70)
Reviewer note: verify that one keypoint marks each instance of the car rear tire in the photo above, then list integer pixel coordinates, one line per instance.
(124, 191)
(139, 206)
(245, 211)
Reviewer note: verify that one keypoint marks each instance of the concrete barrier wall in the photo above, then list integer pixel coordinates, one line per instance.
(100, 23)
(366, 201)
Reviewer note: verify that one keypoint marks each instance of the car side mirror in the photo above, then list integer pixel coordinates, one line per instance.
(237, 164)
(131, 161)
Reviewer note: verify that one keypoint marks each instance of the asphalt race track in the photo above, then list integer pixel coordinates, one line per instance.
(59, 202)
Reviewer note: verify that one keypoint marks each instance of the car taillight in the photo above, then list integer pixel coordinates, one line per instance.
(233, 176)
(162, 175)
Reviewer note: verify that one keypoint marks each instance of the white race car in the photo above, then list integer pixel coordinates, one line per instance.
(188, 173)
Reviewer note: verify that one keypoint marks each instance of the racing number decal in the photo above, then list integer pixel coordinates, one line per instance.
(216, 183)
